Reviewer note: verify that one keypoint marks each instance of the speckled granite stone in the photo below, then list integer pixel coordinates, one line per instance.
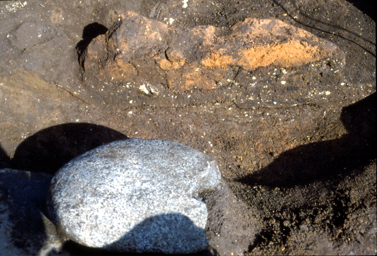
(135, 195)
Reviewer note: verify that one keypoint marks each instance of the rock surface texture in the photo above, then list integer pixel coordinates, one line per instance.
(135, 196)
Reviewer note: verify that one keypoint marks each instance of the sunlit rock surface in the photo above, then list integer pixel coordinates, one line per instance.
(135, 195)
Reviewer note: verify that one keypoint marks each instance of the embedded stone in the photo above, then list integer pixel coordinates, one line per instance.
(135, 195)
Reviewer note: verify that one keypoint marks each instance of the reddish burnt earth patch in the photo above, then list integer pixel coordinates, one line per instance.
(204, 57)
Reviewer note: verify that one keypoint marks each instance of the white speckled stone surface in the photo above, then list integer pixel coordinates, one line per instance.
(135, 195)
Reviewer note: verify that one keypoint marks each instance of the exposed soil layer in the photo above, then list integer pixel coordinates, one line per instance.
(296, 144)
(204, 57)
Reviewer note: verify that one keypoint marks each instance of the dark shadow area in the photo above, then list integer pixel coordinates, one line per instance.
(4, 159)
(328, 31)
(23, 195)
(367, 7)
(51, 148)
(327, 160)
(153, 234)
(90, 32)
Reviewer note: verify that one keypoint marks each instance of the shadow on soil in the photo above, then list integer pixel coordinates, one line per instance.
(367, 7)
(51, 148)
(90, 32)
(164, 225)
(4, 159)
(23, 193)
(327, 160)
(308, 171)
(80, 250)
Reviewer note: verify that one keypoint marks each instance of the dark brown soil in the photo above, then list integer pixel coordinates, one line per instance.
(304, 171)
